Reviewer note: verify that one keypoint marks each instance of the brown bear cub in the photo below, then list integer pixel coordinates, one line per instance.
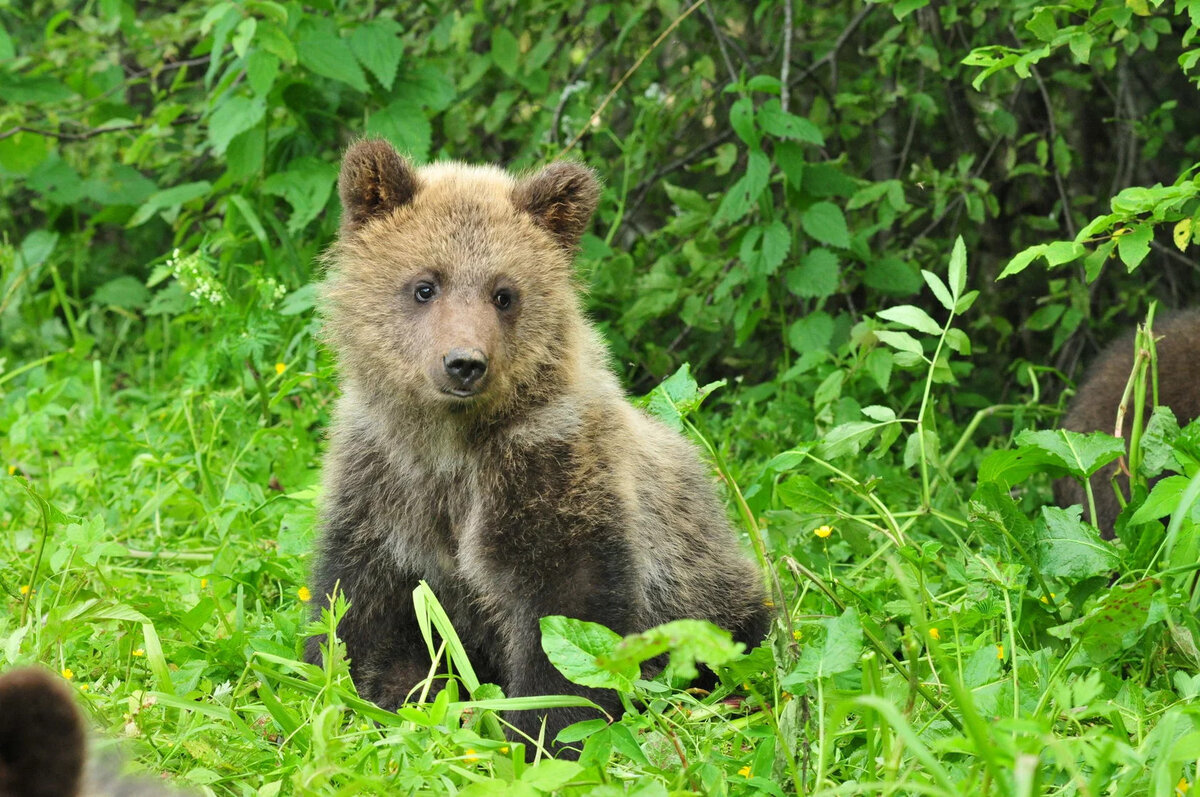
(1094, 407)
(43, 748)
(482, 444)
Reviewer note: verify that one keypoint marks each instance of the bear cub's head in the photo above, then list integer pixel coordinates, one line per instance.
(450, 285)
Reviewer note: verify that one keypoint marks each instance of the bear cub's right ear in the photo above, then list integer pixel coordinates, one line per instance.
(374, 181)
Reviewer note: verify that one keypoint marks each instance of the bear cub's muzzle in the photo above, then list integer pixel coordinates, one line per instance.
(465, 369)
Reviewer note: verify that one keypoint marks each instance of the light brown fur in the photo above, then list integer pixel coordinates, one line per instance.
(535, 489)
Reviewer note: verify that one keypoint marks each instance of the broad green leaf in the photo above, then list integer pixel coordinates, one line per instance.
(168, 200)
(1082, 454)
(997, 519)
(1070, 549)
(262, 68)
(234, 115)
(777, 122)
(329, 55)
(1181, 234)
(306, 185)
(550, 774)
(745, 192)
(1114, 625)
(848, 438)
(1022, 260)
(913, 317)
(689, 642)
(813, 331)
(403, 123)
(1162, 500)
(378, 47)
(574, 647)
(741, 119)
(1134, 246)
(801, 494)
(815, 276)
(505, 51)
(825, 222)
(901, 341)
(838, 652)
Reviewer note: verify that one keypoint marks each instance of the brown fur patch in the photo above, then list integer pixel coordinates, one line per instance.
(1094, 406)
(41, 736)
(543, 493)
(562, 198)
(374, 181)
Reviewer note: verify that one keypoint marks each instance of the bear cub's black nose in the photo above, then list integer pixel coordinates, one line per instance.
(465, 366)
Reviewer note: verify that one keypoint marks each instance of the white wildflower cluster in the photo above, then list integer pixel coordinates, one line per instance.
(654, 92)
(271, 289)
(196, 276)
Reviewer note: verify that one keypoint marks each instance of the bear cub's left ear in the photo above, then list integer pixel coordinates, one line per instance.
(561, 198)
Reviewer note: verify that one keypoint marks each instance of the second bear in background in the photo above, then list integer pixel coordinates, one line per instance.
(1094, 407)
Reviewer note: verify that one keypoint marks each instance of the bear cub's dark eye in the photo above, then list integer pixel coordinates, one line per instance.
(424, 292)
(503, 299)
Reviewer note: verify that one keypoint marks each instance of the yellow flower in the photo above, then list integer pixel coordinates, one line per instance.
(744, 771)
(504, 749)
(933, 632)
(68, 673)
(83, 687)
(280, 367)
(139, 653)
(823, 531)
(470, 756)
(304, 594)
(1047, 600)
(12, 469)
(796, 635)
(1183, 787)
(204, 583)
(26, 589)
(1000, 652)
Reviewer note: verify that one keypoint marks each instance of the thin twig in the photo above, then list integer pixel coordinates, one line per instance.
(62, 135)
(629, 73)
(712, 21)
(787, 55)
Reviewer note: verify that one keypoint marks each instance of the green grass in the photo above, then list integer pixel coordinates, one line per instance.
(935, 636)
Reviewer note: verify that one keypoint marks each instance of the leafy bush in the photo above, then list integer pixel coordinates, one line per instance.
(793, 193)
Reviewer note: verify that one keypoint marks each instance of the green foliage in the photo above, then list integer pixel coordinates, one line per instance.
(775, 229)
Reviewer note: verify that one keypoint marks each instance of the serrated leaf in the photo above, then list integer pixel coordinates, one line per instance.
(1082, 454)
(403, 123)
(1070, 549)
(815, 276)
(378, 47)
(777, 122)
(838, 652)
(913, 317)
(688, 642)
(330, 56)
(825, 222)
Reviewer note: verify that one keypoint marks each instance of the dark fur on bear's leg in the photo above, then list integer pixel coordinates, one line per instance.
(42, 746)
(1094, 406)
(483, 445)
